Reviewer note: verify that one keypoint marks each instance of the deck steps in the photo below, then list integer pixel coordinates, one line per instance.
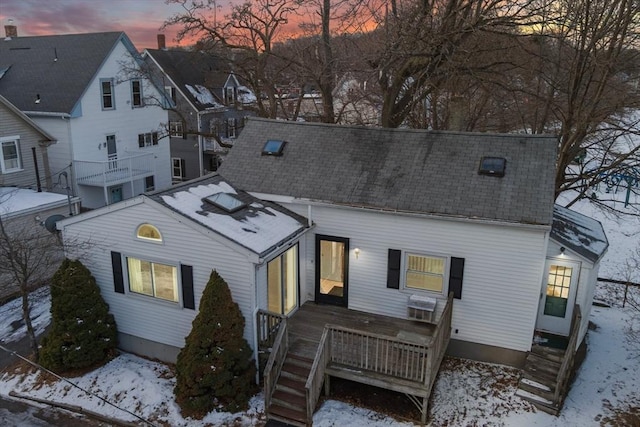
(539, 378)
(288, 402)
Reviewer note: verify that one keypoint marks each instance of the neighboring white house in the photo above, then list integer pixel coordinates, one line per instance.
(109, 142)
(390, 214)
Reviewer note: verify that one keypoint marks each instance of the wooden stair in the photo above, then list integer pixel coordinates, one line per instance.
(538, 382)
(288, 402)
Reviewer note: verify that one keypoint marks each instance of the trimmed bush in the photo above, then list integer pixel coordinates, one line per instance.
(215, 369)
(83, 333)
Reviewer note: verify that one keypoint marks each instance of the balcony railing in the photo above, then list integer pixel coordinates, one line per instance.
(114, 171)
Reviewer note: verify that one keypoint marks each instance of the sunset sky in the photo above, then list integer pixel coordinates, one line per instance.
(140, 19)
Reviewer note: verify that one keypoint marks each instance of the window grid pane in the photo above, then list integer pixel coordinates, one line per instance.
(153, 279)
(425, 273)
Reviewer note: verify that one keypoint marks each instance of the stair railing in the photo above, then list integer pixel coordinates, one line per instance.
(276, 359)
(313, 386)
(564, 373)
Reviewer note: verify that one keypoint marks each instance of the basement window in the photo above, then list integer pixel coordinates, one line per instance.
(225, 201)
(492, 166)
(273, 147)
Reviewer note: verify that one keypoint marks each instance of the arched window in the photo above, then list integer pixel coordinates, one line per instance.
(149, 232)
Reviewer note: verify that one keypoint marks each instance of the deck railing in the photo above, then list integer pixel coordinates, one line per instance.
(268, 324)
(315, 379)
(564, 373)
(276, 360)
(439, 342)
(377, 353)
(113, 171)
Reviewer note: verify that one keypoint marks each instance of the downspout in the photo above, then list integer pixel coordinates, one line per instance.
(200, 143)
(35, 165)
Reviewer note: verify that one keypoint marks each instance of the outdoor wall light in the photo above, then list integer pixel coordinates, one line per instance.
(357, 252)
(562, 249)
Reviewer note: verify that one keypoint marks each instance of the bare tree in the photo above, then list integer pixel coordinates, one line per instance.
(245, 36)
(29, 256)
(421, 45)
(584, 59)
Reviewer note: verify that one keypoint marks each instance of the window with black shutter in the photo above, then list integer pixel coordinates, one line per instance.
(456, 273)
(393, 269)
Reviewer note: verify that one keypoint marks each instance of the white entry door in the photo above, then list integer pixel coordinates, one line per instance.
(558, 296)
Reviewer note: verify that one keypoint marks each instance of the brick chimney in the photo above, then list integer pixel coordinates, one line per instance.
(11, 31)
(161, 42)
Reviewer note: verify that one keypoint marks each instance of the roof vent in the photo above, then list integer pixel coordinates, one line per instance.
(492, 166)
(226, 202)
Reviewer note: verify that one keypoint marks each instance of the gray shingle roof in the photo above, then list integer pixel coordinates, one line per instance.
(34, 70)
(193, 68)
(399, 169)
(580, 233)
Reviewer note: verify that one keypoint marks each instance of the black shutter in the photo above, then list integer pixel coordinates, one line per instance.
(116, 265)
(183, 172)
(455, 277)
(186, 273)
(154, 138)
(141, 140)
(393, 269)
(184, 130)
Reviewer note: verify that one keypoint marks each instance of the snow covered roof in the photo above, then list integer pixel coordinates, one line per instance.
(579, 233)
(17, 200)
(257, 225)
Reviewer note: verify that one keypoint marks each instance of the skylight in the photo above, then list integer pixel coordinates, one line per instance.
(225, 201)
(273, 147)
(493, 166)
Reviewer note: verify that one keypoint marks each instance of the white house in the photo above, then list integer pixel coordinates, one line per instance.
(109, 146)
(156, 252)
(404, 228)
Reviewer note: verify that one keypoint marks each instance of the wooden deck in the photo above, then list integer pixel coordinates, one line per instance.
(307, 325)
(322, 341)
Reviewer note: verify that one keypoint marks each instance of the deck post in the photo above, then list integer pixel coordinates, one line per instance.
(425, 406)
(327, 384)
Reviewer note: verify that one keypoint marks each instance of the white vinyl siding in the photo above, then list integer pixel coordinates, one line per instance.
(150, 318)
(502, 272)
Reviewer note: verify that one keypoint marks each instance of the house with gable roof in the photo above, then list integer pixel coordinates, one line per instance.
(408, 243)
(208, 111)
(109, 146)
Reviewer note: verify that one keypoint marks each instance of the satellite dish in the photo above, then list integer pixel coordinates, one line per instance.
(50, 223)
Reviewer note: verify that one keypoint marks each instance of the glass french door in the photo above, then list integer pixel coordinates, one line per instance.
(332, 270)
(282, 282)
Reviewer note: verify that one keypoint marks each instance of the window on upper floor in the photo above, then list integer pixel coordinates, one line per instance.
(148, 232)
(230, 95)
(106, 91)
(177, 168)
(10, 159)
(176, 129)
(232, 128)
(171, 93)
(136, 93)
(147, 139)
(214, 127)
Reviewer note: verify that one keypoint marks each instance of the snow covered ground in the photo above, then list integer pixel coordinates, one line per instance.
(606, 391)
